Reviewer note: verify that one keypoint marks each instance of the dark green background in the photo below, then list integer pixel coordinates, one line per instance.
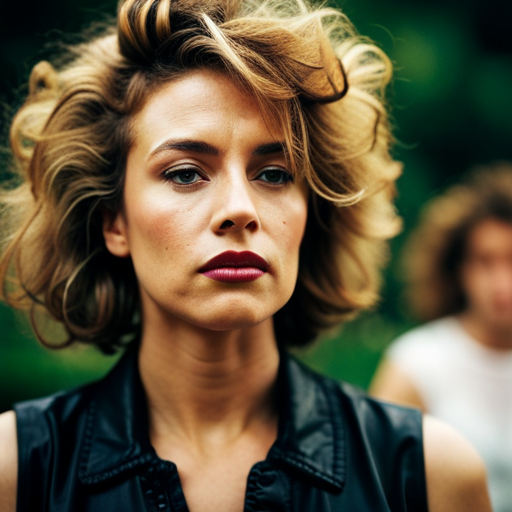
(452, 107)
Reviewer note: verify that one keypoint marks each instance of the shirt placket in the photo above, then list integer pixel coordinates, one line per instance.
(162, 487)
(268, 489)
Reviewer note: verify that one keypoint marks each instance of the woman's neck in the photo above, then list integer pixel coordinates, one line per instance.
(209, 388)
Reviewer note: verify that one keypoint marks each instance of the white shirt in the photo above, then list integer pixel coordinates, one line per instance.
(470, 387)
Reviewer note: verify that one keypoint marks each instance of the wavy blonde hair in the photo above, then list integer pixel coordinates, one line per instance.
(310, 72)
(435, 251)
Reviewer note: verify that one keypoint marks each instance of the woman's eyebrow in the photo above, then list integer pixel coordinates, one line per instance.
(196, 146)
(193, 146)
(268, 149)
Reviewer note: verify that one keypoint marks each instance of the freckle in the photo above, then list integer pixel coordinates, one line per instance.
(167, 248)
(284, 222)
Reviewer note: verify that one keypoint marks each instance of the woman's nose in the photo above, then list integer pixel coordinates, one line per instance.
(235, 209)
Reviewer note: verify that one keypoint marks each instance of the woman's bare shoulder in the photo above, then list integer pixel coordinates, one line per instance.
(456, 475)
(8, 462)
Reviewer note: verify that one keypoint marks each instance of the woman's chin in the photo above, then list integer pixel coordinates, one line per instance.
(231, 320)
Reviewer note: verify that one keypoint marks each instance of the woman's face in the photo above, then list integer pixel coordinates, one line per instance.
(486, 273)
(212, 217)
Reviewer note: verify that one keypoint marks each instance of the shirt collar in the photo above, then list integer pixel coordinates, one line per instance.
(310, 439)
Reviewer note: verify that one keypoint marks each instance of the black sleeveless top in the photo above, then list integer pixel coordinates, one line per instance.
(88, 450)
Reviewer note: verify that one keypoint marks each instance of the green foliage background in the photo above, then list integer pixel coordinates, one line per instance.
(452, 108)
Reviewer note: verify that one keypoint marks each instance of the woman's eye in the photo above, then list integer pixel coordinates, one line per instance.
(275, 176)
(183, 176)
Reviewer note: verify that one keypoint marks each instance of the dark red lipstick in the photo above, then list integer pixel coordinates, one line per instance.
(235, 267)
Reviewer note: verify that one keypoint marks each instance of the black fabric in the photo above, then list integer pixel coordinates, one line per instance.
(88, 450)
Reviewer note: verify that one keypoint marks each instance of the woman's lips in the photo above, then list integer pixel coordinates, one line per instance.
(235, 267)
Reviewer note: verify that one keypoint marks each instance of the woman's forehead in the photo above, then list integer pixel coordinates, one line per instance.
(201, 104)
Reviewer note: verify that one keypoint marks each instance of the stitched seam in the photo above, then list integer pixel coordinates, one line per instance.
(331, 390)
(306, 465)
(119, 467)
(88, 438)
(111, 473)
(250, 494)
(288, 502)
(341, 426)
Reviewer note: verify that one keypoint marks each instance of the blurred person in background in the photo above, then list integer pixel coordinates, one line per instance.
(458, 366)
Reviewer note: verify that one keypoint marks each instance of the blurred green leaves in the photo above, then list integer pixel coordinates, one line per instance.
(27, 369)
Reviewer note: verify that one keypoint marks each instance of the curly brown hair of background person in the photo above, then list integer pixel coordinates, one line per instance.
(435, 251)
(309, 71)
